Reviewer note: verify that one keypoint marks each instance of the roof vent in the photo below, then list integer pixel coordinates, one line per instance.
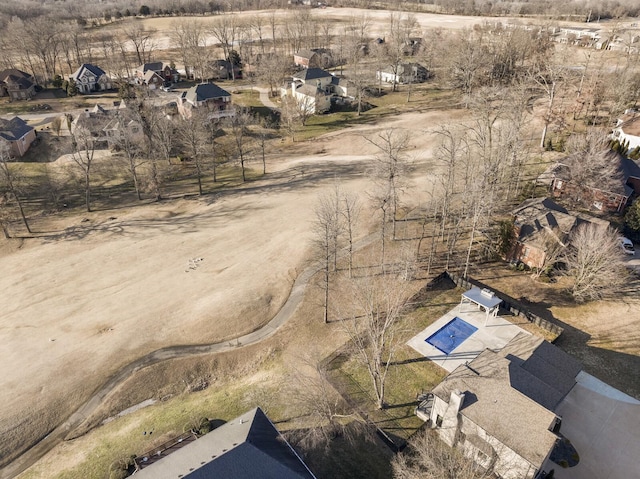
(487, 293)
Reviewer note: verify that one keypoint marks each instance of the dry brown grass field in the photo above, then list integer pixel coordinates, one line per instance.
(94, 291)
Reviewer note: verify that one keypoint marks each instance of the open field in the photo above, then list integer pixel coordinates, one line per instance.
(99, 293)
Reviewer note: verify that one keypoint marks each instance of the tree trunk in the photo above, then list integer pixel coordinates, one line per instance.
(24, 217)
(87, 191)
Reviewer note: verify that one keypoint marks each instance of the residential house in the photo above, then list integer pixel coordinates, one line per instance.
(314, 58)
(627, 129)
(613, 198)
(164, 70)
(152, 80)
(542, 225)
(18, 135)
(122, 125)
(499, 408)
(403, 73)
(247, 447)
(219, 70)
(216, 100)
(312, 89)
(90, 78)
(16, 84)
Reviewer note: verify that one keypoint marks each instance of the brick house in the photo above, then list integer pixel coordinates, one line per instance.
(164, 70)
(16, 84)
(612, 200)
(541, 224)
(18, 135)
(314, 58)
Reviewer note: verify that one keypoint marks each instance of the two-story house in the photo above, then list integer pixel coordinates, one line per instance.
(16, 84)
(90, 78)
(216, 100)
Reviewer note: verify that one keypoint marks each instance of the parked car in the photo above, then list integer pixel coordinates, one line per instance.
(167, 87)
(627, 245)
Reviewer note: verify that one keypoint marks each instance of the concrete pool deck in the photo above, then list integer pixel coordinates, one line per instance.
(495, 335)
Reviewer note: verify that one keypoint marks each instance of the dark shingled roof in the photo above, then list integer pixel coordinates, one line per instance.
(14, 129)
(204, 92)
(154, 66)
(97, 71)
(248, 447)
(312, 74)
(14, 72)
(540, 370)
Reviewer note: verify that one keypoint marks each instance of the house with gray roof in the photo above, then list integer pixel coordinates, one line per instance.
(216, 100)
(500, 408)
(164, 70)
(540, 225)
(247, 447)
(90, 78)
(18, 135)
(16, 84)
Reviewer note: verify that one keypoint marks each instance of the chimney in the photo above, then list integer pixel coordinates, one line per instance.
(455, 402)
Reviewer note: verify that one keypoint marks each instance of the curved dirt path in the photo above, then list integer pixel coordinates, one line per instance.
(37, 451)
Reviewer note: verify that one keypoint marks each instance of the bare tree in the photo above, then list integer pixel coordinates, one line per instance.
(192, 135)
(351, 213)
(427, 457)
(271, 69)
(591, 164)
(327, 226)
(325, 411)
(594, 260)
(83, 143)
(549, 79)
(554, 243)
(225, 29)
(9, 178)
(239, 127)
(127, 139)
(372, 326)
(141, 39)
(389, 169)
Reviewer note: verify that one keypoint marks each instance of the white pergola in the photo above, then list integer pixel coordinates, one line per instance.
(484, 299)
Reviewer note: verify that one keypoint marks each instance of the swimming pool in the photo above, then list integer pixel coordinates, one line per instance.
(451, 335)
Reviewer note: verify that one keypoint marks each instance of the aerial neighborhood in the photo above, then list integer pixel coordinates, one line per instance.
(305, 239)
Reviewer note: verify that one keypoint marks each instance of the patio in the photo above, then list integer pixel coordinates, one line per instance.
(493, 332)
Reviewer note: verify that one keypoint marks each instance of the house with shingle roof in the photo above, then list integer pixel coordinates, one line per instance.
(313, 58)
(16, 84)
(499, 408)
(539, 224)
(247, 447)
(90, 78)
(164, 70)
(18, 135)
(206, 95)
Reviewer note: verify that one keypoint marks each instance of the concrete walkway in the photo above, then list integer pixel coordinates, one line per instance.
(603, 424)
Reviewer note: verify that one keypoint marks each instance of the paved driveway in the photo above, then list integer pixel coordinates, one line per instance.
(603, 424)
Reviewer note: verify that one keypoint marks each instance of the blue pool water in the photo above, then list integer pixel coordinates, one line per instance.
(451, 335)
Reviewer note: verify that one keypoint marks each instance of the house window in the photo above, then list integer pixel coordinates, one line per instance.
(438, 420)
(525, 252)
(559, 184)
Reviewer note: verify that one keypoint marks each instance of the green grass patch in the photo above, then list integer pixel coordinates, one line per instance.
(124, 437)
(409, 374)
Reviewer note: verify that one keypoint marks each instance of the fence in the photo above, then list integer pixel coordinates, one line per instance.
(508, 303)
